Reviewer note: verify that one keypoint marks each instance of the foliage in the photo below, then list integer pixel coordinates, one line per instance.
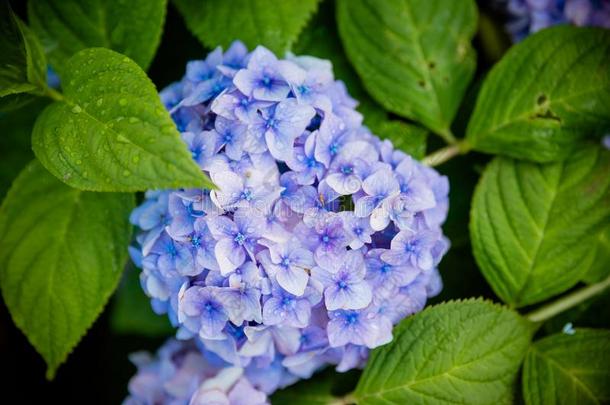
(534, 234)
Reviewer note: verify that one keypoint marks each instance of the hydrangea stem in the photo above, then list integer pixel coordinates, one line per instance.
(568, 301)
(344, 400)
(444, 154)
(53, 94)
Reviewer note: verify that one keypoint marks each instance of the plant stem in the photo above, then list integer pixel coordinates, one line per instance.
(347, 399)
(568, 301)
(444, 154)
(53, 94)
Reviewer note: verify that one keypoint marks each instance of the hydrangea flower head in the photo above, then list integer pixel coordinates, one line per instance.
(182, 373)
(318, 238)
(529, 16)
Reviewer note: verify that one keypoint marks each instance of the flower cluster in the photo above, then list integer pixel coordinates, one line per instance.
(182, 373)
(319, 236)
(529, 16)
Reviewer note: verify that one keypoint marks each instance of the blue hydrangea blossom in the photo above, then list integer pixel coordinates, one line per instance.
(182, 373)
(529, 16)
(319, 237)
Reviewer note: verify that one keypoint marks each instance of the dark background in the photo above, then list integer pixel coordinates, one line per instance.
(98, 370)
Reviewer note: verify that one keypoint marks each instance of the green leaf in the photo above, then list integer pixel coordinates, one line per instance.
(532, 226)
(131, 311)
(320, 39)
(65, 27)
(568, 369)
(324, 388)
(111, 131)
(15, 149)
(413, 56)
(600, 267)
(456, 352)
(548, 92)
(22, 62)
(274, 24)
(62, 252)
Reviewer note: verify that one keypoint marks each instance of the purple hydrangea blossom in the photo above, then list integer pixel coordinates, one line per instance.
(236, 238)
(378, 187)
(382, 274)
(280, 125)
(202, 310)
(358, 228)
(289, 264)
(529, 16)
(410, 248)
(182, 373)
(606, 142)
(318, 239)
(303, 162)
(328, 236)
(362, 328)
(284, 308)
(262, 79)
(343, 281)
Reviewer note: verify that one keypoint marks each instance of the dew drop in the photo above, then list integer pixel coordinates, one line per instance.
(100, 101)
(126, 173)
(76, 109)
(123, 102)
(133, 120)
